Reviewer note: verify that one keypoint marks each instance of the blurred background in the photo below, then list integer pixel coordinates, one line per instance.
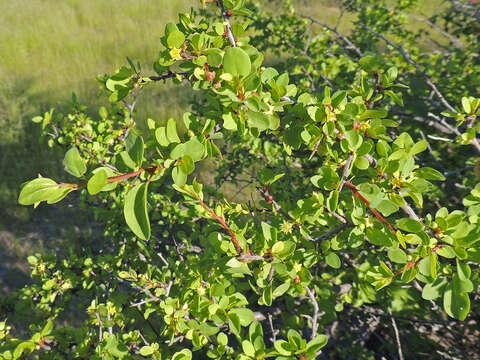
(50, 49)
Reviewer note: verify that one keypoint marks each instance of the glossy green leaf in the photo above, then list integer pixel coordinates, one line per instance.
(283, 249)
(333, 261)
(73, 162)
(409, 225)
(184, 354)
(43, 189)
(135, 211)
(178, 176)
(236, 62)
(456, 305)
(97, 182)
(397, 255)
(172, 134)
(175, 39)
(245, 315)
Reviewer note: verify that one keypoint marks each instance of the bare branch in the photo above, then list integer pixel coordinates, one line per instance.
(417, 67)
(397, 336)
(311, 295)
(228, 27)
(339, 35)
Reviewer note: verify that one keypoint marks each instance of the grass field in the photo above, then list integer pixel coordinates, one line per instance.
(49, 49)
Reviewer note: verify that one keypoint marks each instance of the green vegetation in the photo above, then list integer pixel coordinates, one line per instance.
(360, 155)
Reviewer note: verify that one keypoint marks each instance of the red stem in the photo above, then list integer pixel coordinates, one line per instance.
(380, 218)
(222, 223)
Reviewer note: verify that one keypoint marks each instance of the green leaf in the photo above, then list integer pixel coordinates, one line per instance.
(283, 347)
(234, 323)
(172, 135)
(161, 136)
(185, 354)
(248, 348)
(397, 255)
(258, 120)
(419, 147)
(97, 182)
(245, 315)
(74, 163)
(175, 39)
(434, 290)
(146, 350)
(280, 290)
(237, 62)
(409, 225)
(42, 189)
(429, 174)
(317, 343)
(178, 176)
(194, 149)
(333, 260)
(134, 148)
(135, 211)
(466, 105)
(283, 249)
(354, 139)
(214, 57)
(267, 295)
(373, 114)
(187, 165)
(456, 305)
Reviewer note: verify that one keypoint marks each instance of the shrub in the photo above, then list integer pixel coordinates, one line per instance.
(350, 205)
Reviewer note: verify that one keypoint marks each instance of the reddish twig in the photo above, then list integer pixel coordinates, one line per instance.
(375, 212)
(222, 223)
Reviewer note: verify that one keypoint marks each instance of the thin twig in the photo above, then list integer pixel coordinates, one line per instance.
(311, 295)
(397, 336)
(100, 326)
(330, 234)
(417, 67)
(228, 27)
(339, 35)
(346, 171)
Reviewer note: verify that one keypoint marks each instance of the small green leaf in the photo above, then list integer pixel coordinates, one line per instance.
(245, 315)
(456, 305)
(429, 174)
(434, 290)
(194, 149)
(333, 260)
(248, 348)
(134, 148)
(283, 249)
(185, 354)
(178, 176)
(317, 343)
(280, 290)
(42, 189)
(466, 105)
(135, 211)
(161, 136)
(237, 62)
(97, 182)
(187, 165)
(175, 39)
(172, 135)
(74, 163)
(409, 225)
(419, 147)
(258, 120)
(146, 350)
(397, 255)
(283, 347)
